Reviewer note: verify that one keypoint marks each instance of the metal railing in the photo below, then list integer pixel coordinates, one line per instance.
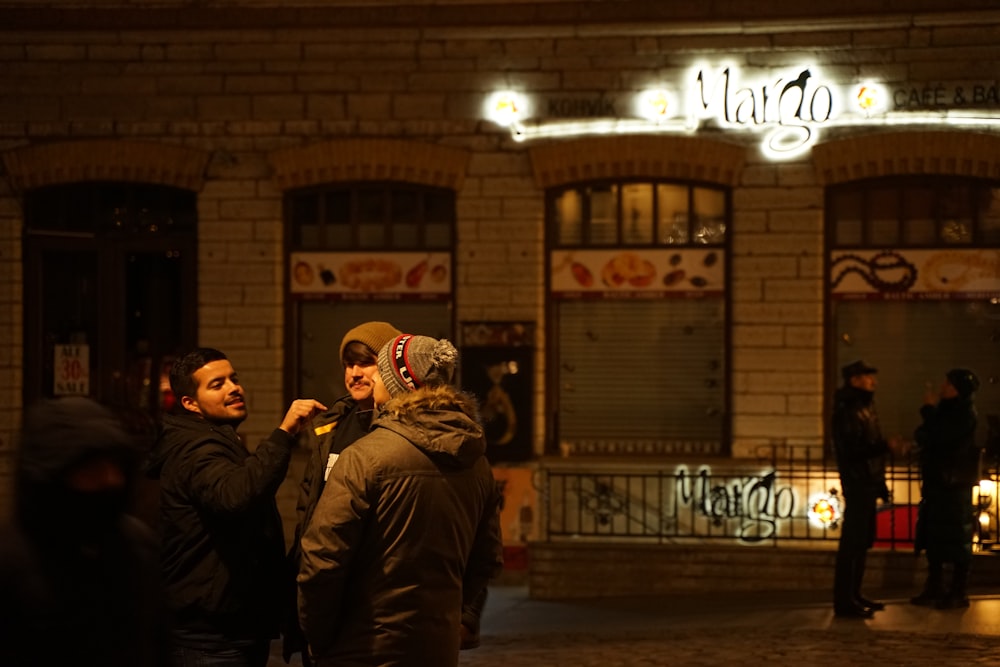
(788, 495)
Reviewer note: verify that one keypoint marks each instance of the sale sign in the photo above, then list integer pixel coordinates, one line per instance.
(72, 370)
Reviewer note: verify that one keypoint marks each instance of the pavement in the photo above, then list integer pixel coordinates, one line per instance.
(767, 628)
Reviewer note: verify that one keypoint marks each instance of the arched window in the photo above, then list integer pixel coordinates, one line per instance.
(110, 290)
(362, 251)
(914, 285)
(637, 276)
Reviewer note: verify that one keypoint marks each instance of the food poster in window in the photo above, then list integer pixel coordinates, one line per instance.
(638, 273)
(376, 275)
(915, 274)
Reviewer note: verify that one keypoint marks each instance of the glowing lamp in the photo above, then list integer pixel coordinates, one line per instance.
(870, 98)
(656, 105)
(505, 108)
(824, 511)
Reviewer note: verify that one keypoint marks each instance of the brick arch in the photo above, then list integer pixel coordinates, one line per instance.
(106, 160)
(899, 153)
(340, 160)
(686, 158)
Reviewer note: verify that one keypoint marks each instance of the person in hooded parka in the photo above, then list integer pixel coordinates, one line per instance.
(79, 576)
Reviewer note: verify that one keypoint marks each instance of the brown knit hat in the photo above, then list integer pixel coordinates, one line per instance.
(372, 334)
(408, 362)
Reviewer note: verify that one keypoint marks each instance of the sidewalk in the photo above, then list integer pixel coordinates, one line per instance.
(774, 628)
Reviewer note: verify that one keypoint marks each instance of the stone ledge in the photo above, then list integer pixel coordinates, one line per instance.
(579, 570)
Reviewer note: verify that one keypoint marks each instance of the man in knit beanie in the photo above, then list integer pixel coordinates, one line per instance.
(406, 536)
(410, 362)
(331, 433)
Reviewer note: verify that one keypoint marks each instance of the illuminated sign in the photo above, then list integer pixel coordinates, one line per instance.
(789, 108)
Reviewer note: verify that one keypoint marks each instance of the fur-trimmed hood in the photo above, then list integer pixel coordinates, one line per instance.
(441, 421)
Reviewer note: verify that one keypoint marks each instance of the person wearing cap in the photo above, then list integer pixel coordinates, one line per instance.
(79, 576)
(949, 468)
(330, 433)
(861, 451)
(407, 529)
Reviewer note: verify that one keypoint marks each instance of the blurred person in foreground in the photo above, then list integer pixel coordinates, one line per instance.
(79, 577)
(329, 434)
(407, 529)
(949, 468)
(861, 455)
(223, 550)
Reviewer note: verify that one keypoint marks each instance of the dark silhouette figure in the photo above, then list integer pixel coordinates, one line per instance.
(79, 578)
(861, 452)
(949, 468)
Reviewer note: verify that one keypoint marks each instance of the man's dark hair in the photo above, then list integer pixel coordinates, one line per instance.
(357, 352)
(182, 372)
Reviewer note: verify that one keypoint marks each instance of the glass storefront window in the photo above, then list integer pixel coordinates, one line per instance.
(568, 218)
(913, 211)
(914, 343)
(603, 214)
(640, 214)
(637, 213)
(989, 215)
(673, 218)
(919, 253)
(371, 217)
(919, 226)
(848, 216)
(368, 223)
(709, 216)
(883, 219)
(632, 280)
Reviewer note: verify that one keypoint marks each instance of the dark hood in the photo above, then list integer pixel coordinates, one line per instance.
(58, 435)
(440, 421)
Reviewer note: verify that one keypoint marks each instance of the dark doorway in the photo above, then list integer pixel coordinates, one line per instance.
(110, 292)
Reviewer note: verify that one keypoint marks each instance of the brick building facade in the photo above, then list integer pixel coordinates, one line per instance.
(244, 102)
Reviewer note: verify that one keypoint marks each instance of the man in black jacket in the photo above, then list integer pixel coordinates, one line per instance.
(222, 547)
(861, 452)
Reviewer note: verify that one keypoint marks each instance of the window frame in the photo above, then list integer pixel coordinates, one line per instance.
(903, 183)
(552, 242)
(355, 191)
(292, 312)
(937, 184)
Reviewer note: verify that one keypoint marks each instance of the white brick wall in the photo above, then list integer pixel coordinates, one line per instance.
(242, 93)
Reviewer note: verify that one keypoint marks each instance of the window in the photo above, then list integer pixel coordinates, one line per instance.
(637, 214)
(367, 216)
(915, 286)
(918, 211)
(110, 278)
(384, 230)
(639, 311)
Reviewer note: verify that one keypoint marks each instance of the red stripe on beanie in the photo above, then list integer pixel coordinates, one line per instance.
(401, 362)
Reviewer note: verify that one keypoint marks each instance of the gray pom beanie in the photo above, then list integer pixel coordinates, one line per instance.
(409, 362)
